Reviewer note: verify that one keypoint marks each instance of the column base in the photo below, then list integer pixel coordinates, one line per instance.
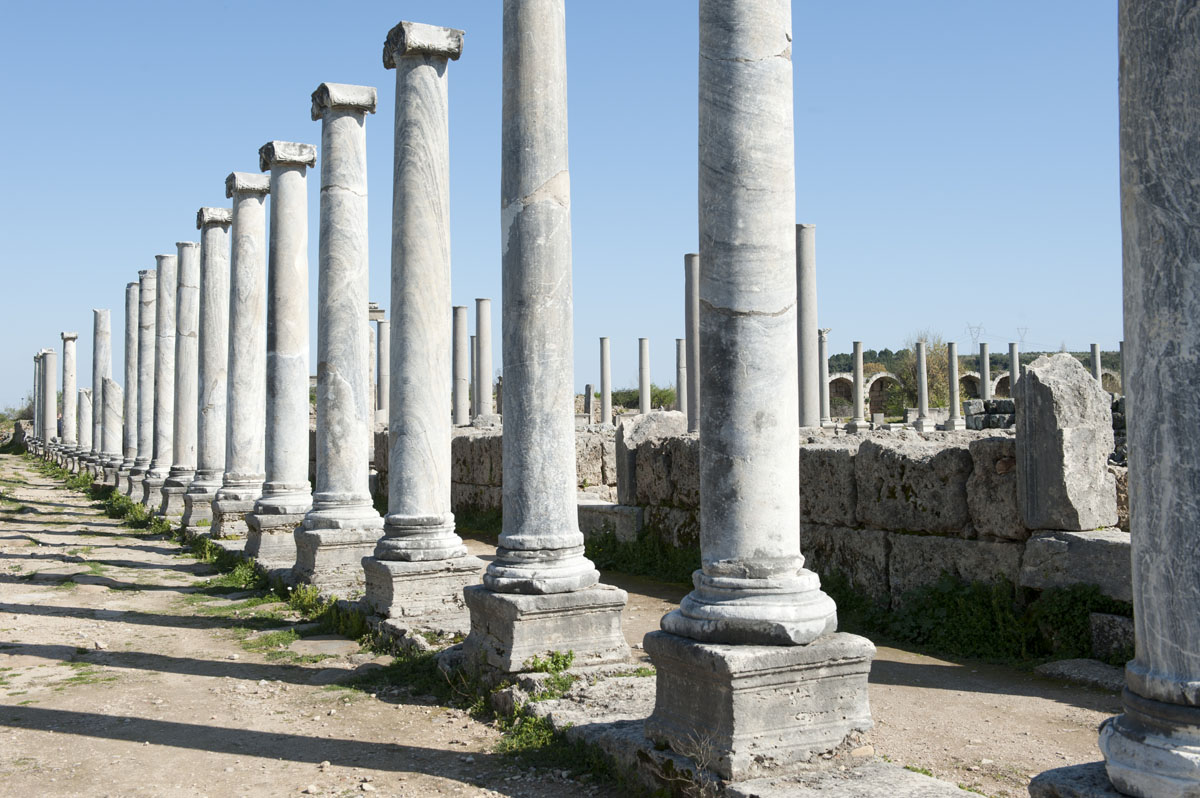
(152, 486)
(197, 504)
(172, 499)
(761, 710)
(857, 425)
(1153, 749)
(925, 425)
(229, 517)
(270, 538)
(331, 557)
(952, 424)
(432, 589)
(108, 475)
(123, 476)
(508, 629)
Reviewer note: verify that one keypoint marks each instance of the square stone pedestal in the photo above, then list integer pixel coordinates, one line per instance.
(229, 516)
(152, 492)
(197, 505)
(857, 426)
(172, 498)
(123, 481)
(271, 538)
(925, 425)
(755, 711)
(108, 475)
(431, 590)
(508, 629)
(332, 559)
(954, 424)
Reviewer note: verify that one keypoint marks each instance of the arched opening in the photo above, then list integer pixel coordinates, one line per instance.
(1001, 389)
(968, 386)
(877, 392)
(841, 397)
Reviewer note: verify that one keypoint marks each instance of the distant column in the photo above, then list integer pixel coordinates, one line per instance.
(1096, 370)
(681, 375)
(383, 360)
(1014, 368)
(858, 422)
(483, 359)
(606, 411)
(474, 376)
(461, 401)
(101, 368)
(806, 325)
(985, 372)
(589, 409)
(187, 370)
(37, 396)
(644, 375)
(823, 361)
(164, 381)
(50, 395)
(955, 421)
(70, 394)
(923, 422)
(691, 323)
(147, 326)
(129, 441)
(85, 422)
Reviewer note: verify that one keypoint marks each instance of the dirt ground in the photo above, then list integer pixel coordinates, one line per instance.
(122, 675)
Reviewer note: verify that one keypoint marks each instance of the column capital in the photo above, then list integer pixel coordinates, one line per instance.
(287, 153)
(70, 336)
(342, 96)
(184, 244)
(824, 333)
(209, 217)
(414, 38)
(375, 313)
(166, 257)
(246, 183)
(148, 274)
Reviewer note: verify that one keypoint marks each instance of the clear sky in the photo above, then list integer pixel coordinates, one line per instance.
(958, 158)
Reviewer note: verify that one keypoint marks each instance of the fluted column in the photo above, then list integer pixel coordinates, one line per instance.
(691, 321)
(806, 324)
(147, 335)
(245, 397)
(213, 368)
(461, 401)
(166, 285)
(70, 395)
(187, 352)
(129, 415)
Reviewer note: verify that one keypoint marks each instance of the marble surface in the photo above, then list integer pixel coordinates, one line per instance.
(129, 440)
(70, 392)
(213, 367)
(806, 325)
(147, 336)
(164, 366)
(101, 368)
(187, 331)
(460, 400)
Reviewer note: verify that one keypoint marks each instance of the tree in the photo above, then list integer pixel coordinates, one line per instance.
(937, 368)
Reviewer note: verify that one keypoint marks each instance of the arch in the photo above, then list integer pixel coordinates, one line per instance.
(1000, 386)
(969, 384)
(841, 394)
(877, 386)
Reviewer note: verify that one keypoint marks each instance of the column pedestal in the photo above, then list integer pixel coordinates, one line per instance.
(230, 507)
(430, 591)
(270, 537)
(331, 545)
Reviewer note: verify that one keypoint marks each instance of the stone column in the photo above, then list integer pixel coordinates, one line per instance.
(420, 566)
(606, 413)
(129, 440)
(460, 400)
(37, 396)
(49, 395)
(1096, 370)
(681, 375)
(245, 397)
(101, 368)
(85, 422)
(644, 375)
(1124, 391)
(384, 368)
(691, 323)
(147, 335)
(1014, 368)
(114, 407)
(985, 372)
(756, 630)
(70, 396)
(474, 381)
(211, 386)
(486, 408)
(1151, 749)
(858, 423)
(164, 381)
(955, 421)
(372, 367)
(540, 590)
(806, 324)
(187, 365)
(923, 422)
(342, 526)
(589, 405)
(286, 492)
(823, 362)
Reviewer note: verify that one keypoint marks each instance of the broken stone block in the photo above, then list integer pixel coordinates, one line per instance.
(913, 486)
(1112, 636)
(917, 560)
(635, 431)
(992, 489)
(1059, 559)
(1064, 438)
(828, 489)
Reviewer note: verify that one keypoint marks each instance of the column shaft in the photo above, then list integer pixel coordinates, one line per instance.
(806, 324)
(147, 336)
(186, 373)
(129, 419)
(823, 363)
(213, 371)
(985, 372)
(860, 413)
(1014, 368)
(461, 401)
(483, 357)
(50, 395)
(606, 414)
(164, 378)
(681, 375)
(101, 368)
(644, 375)
(70, 393)
(922, 386)
(691, 322)
(955, 421)
(1096, 369)
(384, 366)
(85, 420)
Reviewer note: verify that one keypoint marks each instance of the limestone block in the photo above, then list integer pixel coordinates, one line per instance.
(913, 486)
(1112, 635)
(1121, 477)
(828, 488)
(589, 458)
(429, 591)
(464, 497)
(1064, 438)
(860, 554)
(683, 453)
(1001, 406)
(973, 407)
(920, 559)
(598, 517)
(631, 433)
(759, 709)
(992, 489)
(477, 456)
(1074, 781)
(1100, 557)
(680, 526)
(608, 454)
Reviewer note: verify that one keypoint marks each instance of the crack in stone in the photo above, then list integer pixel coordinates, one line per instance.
(747, 313)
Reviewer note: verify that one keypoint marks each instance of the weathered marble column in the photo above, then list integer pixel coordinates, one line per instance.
(37, 396)
(923, 422)
(147, 327)
(858, 422)
(1153, 748)
(1124, 391)
(129, 414)
(211, 384)
(485, 407)
(286, 493)
(245, 397)
(372, 367)
(187, 365)
(1096, 369)
(461, 400)
(589, 404)
(806, 324)
(70, 395)
(540, 590)
(985, 372)
(1014, 368)
(84, 423)
(756, 630)
(114, 408)
(823, 362)
(420, 566)
(101, 368)
(49, 395)
(681, 375)
(384, 368)
(164, 381)
(691, 323)
(606, 414)
(644, 375)
(474, 370)
(955, 421)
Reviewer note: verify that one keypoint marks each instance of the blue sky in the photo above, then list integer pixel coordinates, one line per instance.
(958, 158)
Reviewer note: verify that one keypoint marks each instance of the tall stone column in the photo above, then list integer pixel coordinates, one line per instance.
(114, 408)
(806, 324)
(129, 415)
(985, 372)
(923, 422)
(460, 400)
(37, 396)
(540, 590)
(681, 375)
(589, 408)
(384, 368)
(1014, 368)
(372, 367)
(644, 375)
(474, 371)
(420, 566)
(756, 630)
(49, 395)
(147, 335)
(85, 426)
(606, 413)
(70, 395)
(286, 493)
(1152, 748)
(101, 368)
(955, 421)
(1124, 390)
(858, 422)
(187, 365)
(167, 283)
(245, 397)
(1096, 369)
(213, 369)
(691, 323)
(486, 408)
(823, 361)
